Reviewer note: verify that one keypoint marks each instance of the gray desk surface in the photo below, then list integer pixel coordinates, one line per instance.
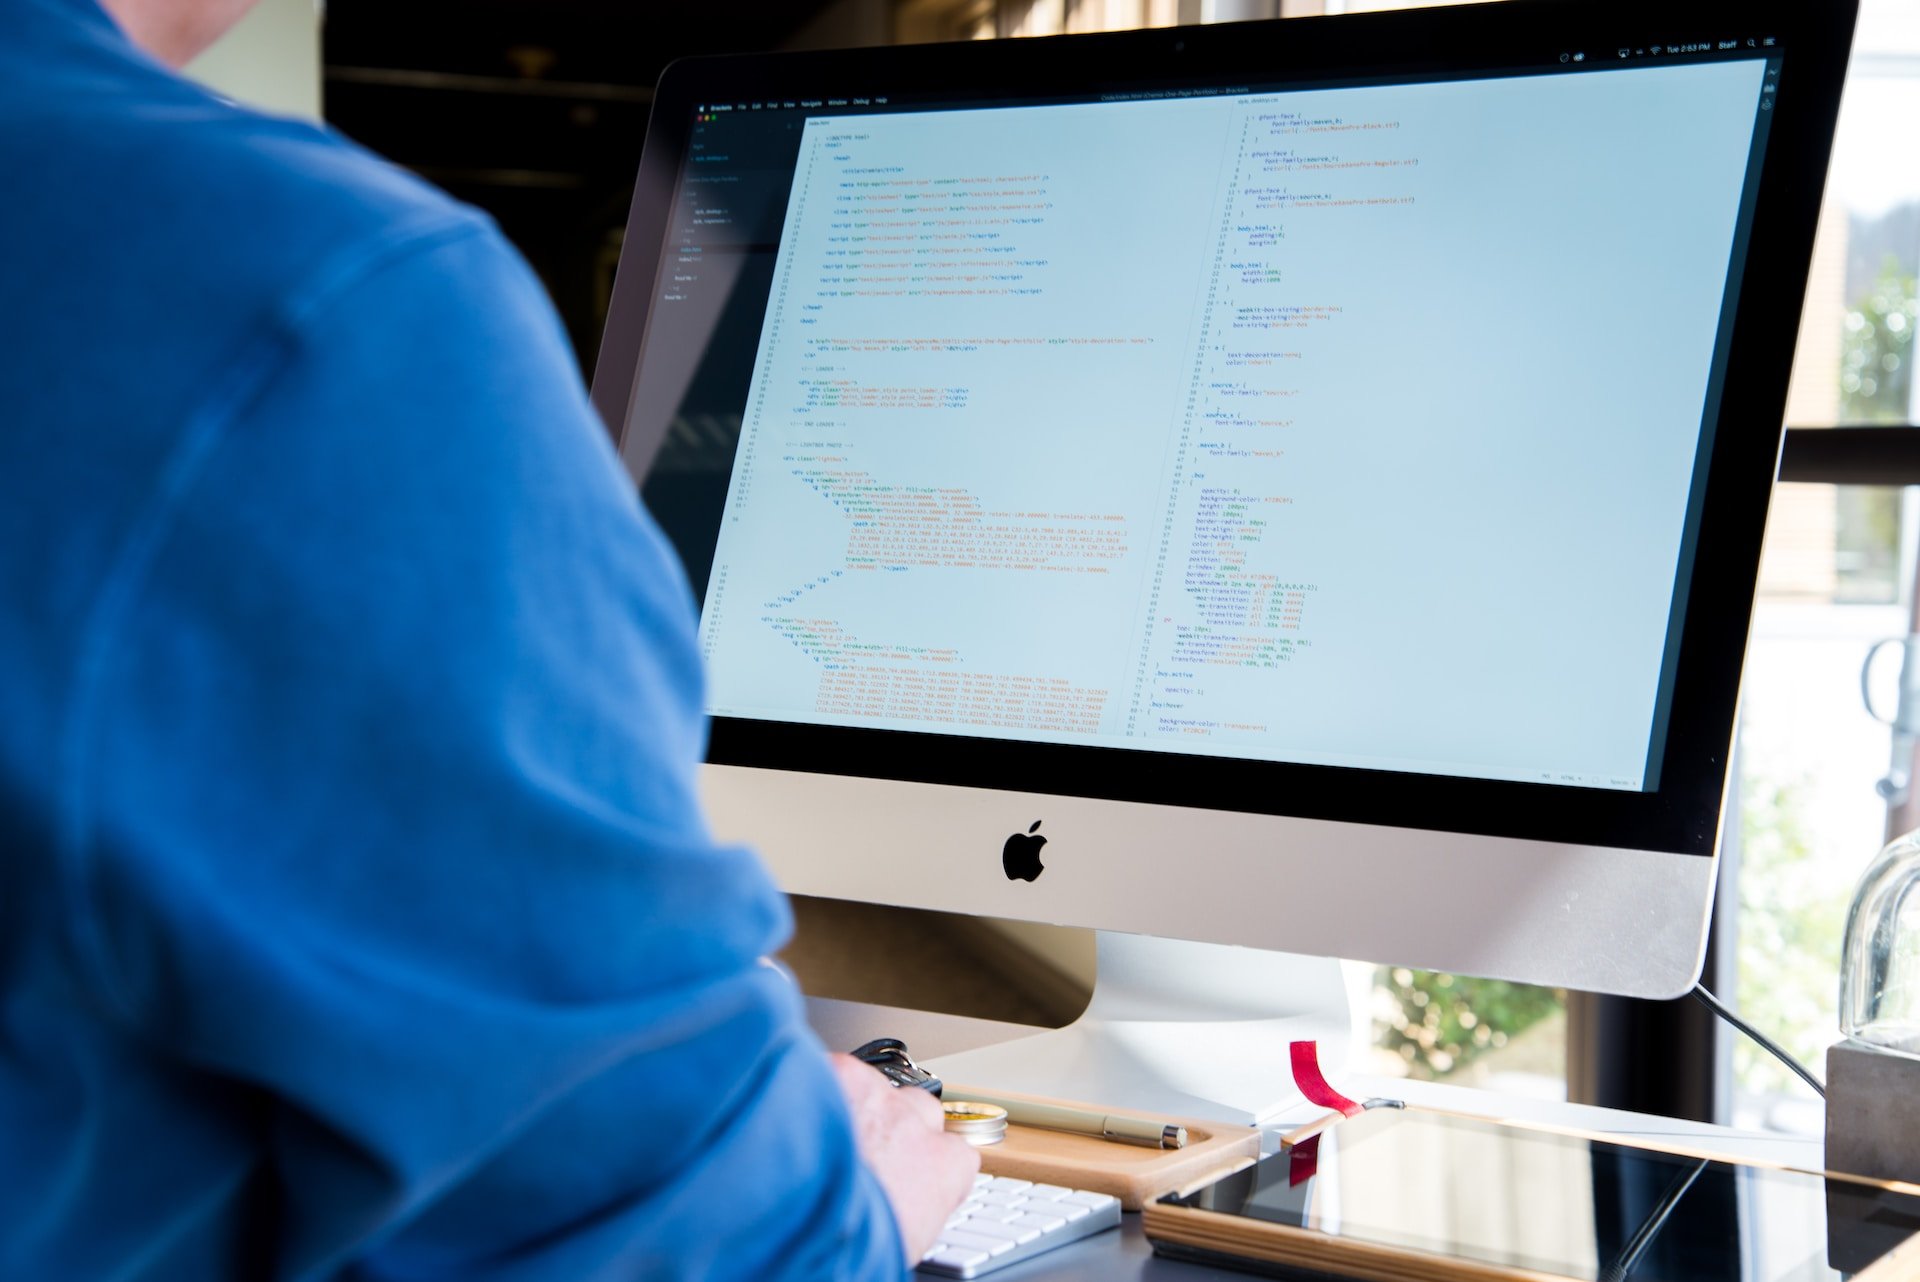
(1125, 1256)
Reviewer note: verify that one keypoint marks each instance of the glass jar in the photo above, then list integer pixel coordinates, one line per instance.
(1880, 960)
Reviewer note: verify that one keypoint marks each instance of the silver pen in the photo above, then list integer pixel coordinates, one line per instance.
(1081, 1121)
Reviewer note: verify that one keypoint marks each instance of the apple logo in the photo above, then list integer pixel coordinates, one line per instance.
(1021, 855)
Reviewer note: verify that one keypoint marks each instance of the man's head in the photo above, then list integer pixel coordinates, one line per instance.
(176, 31)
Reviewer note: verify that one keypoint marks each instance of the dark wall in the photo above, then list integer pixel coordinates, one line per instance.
(534, 110)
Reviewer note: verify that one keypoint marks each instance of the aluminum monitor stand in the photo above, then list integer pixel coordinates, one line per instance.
(1177, 1028)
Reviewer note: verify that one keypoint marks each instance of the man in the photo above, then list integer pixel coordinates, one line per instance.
(356, 915)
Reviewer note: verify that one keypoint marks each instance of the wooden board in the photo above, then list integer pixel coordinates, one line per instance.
(1305, 1249)
(1131, 1172)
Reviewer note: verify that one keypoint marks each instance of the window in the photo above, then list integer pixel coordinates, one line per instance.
(1837, 576)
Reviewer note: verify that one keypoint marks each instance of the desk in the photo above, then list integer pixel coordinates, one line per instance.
(1126, 1256)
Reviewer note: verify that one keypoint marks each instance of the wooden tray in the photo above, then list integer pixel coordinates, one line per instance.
(1131, 1172)
(1299, 1248)
(1253, 1241)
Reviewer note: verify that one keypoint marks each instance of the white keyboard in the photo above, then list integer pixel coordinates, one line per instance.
(1006, 1221)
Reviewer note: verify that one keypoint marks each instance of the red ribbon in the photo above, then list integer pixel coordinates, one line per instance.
(1304, 1163)
(1313, 1084)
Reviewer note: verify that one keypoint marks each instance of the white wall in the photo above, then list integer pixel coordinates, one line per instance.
(270, 60)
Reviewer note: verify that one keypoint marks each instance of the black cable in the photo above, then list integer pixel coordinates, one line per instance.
(1713, 1004)
(1650, 1227)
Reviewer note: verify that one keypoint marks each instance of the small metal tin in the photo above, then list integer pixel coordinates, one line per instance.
(977, 1124)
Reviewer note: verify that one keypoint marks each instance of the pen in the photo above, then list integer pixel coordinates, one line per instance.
(1081, 1121)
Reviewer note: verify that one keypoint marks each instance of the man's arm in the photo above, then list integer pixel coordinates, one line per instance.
(385, 816)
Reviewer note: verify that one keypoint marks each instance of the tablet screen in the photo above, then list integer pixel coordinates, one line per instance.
(1564, 1205)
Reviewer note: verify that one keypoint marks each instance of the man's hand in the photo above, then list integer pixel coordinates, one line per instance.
(900, 1130)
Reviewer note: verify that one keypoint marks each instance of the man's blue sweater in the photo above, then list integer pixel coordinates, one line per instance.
(357, 919)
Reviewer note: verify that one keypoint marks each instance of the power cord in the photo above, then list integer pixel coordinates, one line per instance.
(1715, 1005)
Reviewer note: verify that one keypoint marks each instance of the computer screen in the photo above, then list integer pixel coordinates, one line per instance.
(1289, 425)
(1317, 459)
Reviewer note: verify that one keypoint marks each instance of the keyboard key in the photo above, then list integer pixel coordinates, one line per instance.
(955, 1257)
(999, 1213)
(1001, 1232)
(977, 1241)
(1022, 1233)
(1006, 1221)
(1092, 1201)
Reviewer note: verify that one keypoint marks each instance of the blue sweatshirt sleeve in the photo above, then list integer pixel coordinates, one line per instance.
(386, 832)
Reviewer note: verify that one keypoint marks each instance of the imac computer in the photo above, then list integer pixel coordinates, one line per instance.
(1268, 492)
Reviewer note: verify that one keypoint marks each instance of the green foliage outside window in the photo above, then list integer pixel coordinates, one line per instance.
(1876, 387)
(1793, 912)
(1444, 1022)
(1877, 352)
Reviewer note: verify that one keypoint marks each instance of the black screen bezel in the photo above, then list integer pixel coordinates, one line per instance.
(1681, 814)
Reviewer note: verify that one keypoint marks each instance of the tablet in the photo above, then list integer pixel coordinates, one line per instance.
(1394, 1194)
